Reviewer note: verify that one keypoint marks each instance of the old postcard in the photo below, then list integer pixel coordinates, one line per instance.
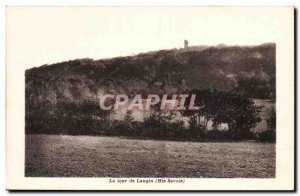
(150, 98)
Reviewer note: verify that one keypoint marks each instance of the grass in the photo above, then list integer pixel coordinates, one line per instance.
(90, 156)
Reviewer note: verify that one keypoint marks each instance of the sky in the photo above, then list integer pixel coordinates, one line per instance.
(45, 35)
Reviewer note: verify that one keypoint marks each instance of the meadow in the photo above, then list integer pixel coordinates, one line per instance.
(93, 156)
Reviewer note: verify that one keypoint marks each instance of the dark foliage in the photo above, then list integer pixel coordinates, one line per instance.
(270, 134)
(249, 69)
(237, 110)
(62, 98)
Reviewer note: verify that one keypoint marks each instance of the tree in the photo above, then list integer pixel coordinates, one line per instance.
(126, 126)
(270, 134)
(271, 120)
(229, 107)
(195, 116)
(128, 117)
(236, 110)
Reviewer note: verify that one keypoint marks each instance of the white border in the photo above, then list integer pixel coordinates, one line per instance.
(92, 2)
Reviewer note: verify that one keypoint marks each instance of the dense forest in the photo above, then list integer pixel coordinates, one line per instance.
(63, 98)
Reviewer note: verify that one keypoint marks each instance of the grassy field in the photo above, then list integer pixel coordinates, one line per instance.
(90, 156)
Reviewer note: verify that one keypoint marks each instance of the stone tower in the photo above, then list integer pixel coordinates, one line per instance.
(186, 44)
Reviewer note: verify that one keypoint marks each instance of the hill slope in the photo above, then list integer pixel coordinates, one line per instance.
(249, 69)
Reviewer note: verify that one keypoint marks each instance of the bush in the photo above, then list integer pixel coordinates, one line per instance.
(267, 136)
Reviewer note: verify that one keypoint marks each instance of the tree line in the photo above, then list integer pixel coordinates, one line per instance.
(233, 108)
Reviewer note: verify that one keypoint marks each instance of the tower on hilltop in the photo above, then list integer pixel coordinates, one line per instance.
(186, 44)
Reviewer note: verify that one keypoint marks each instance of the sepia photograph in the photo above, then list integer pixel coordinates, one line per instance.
(230, 133)
(154, 96)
